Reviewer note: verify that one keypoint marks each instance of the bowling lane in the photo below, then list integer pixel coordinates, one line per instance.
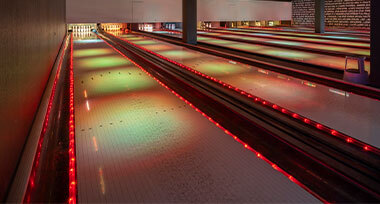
(136, 142)
(313, 35)
(299, 38)
(339, 46)
(342, 49)
(333, 62)
(351, 114)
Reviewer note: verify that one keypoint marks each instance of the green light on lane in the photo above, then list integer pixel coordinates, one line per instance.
(145, 129)
(222, 42)
(242, 46)
(203, 38)
(365, 53)
(103, 62)
(129, 80)
(132, 38)
(365, 45)
(250, 38)
(220, 68)
(333, 48)
(292, 43)
(178, 54)
(148, 121)
(315, 40)
(289, 54)
(341, 37)
(91, 52)
(146, 42)
(158, 47)
(287, 37)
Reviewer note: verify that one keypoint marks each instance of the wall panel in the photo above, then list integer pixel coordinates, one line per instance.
(31, 33)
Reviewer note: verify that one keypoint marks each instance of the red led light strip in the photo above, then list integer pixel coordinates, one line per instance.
(72, 158)
(277, 108)
(32, 176)
(259, 155)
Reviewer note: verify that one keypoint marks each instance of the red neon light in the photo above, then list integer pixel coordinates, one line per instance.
(259, 155)
(286, 112)
(72, 157)
(32, 176)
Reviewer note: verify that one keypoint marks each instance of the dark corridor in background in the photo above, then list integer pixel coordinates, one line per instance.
(31, 35)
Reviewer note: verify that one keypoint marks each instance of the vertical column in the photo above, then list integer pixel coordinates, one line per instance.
(134, 26)
(375, 44)
(319, 16)
(189, 21)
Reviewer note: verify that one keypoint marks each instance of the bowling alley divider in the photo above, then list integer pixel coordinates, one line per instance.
(35, 180)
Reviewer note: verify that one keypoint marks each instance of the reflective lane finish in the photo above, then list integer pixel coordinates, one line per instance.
(332, 62)
(300, 38)
(314, 35)
(137, 142)
(352, 114)
(314, 45)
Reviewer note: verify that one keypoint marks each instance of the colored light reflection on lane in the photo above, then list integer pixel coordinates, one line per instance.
(143, 114)
(203, 38)
(269, 104)
(128, 95)
(88, 41)
(302, 34)
(91, 52)
(179, 54)
(221, 68)
(291, 54)
(101, 181)
(259, 155)
(203, 62)
(146, 42)
(158, 47)
(216, 41)
(205, 68)
(286, 43)
(95, 143)
(301, 39)
(120, 80)
(310, 45)
(247, 47)
(306, 57)
(102, 62)
(87, 105)
(132, 38)
(339, 92)
(300, 56)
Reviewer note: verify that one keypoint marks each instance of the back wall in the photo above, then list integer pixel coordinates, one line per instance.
(338, 13)
(119, 11)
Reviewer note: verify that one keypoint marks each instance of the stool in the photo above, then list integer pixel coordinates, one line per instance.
(356, 75)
